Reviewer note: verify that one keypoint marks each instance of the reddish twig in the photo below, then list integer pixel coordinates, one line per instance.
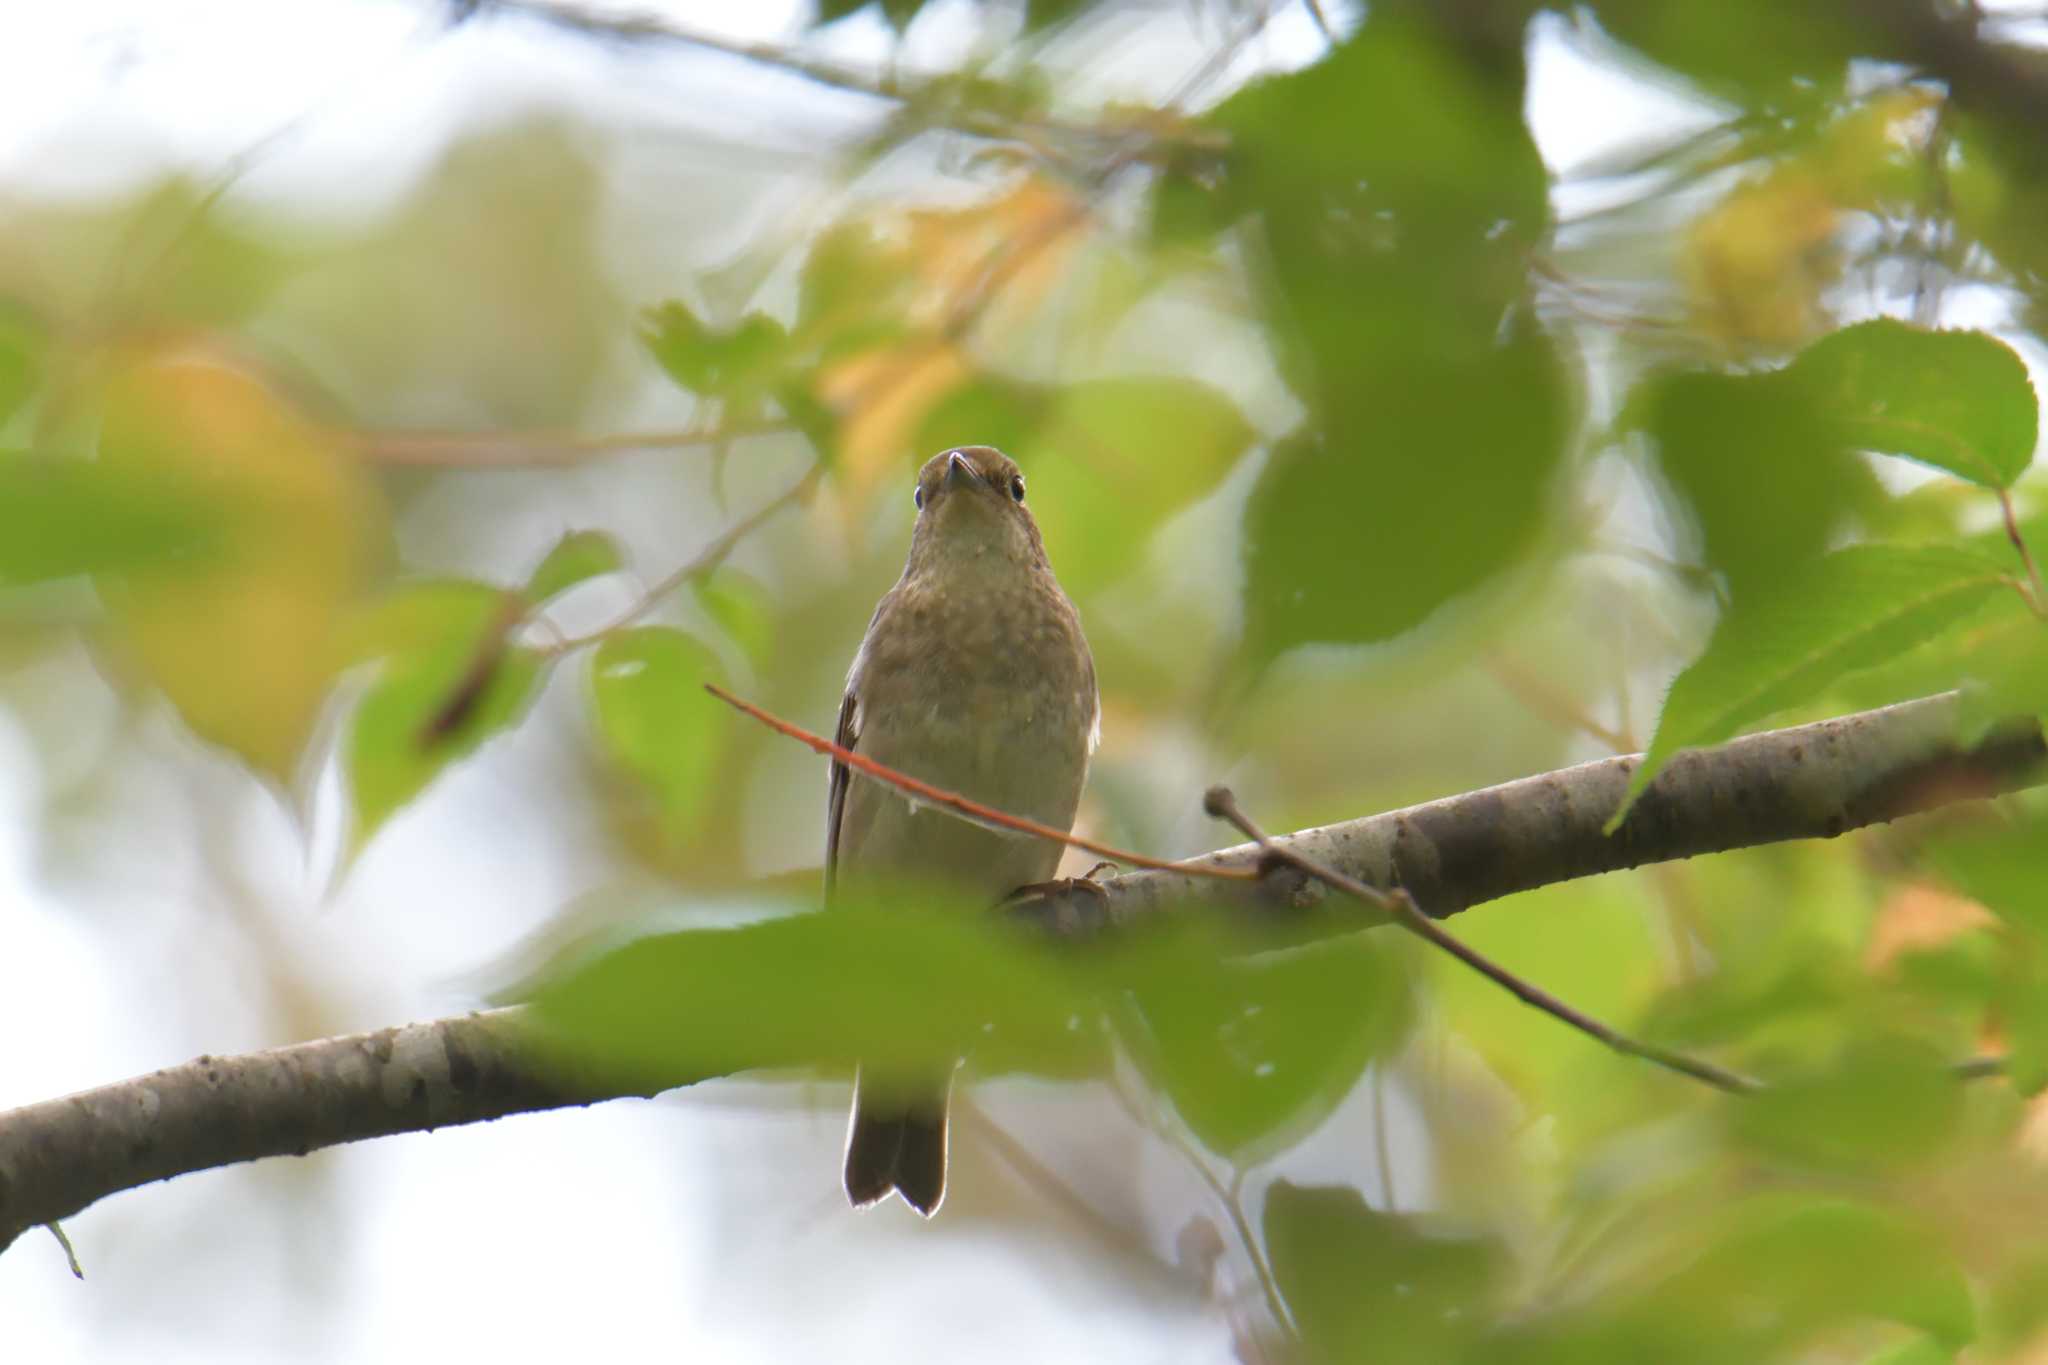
(1401, 907)
(972, 811)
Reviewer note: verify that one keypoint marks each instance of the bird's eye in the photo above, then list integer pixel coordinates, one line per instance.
(1017, 487)
(917, 496)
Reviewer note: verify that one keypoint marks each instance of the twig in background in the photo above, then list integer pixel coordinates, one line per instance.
(1220, 803)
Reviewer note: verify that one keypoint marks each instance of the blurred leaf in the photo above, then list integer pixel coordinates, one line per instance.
(1254, 1052)
(2004, 867)
(243, 641)
(1884, 1103)
(1920, 1350)
(1587, 942)
(655, 719)
(1960, 401)
(734, 365)
(1360, 532)
(1854, 608)
(743, 609)
(1758, 264)
(448, 680)
(2004, 674)
(831, 11)
(1787, 1265)
(883, 397)
(903, 982)
(60, 517)
(1393, 275)
(576, 558)
(1043, 14)
(1108, 460)
(2017, 1306)
(23, 348)
(1777, 1276)
(1760, 472)
(1116, 458)
(900, 13)
(853, 291)
(2000, 866)
(1364, 1285)
(1778, 56)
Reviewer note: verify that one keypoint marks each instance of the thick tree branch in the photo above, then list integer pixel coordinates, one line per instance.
(1807, 782)
(1811, 781)
(61, 1155)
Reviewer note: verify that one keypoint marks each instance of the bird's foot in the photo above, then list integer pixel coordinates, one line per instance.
(1056, 905)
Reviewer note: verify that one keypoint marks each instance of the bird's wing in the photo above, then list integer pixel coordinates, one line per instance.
(835, 796)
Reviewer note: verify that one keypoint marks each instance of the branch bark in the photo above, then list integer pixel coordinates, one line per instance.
(1810, 781)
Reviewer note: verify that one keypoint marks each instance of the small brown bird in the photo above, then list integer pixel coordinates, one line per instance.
(975, 677)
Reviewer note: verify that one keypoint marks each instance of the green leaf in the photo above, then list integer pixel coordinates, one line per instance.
(1360, 531)
(1885, 1103)
(2005, 675)
(655, 719)
(1043, 14)
(2000, 866)
(1256, 1051)
(1792, 1264)
(1919, 1350)
(577, 557)
(449, 679)
(1853, 609)
(904, 982)
(742, 607)
(734, 365)
(1960, 401)
(1392, 273)
(24, 344)
(2004, 867)
(1364, 1285)
(1108, 461)
(1765, 481)
(60, 517)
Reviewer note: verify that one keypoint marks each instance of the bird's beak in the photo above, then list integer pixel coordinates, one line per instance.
(959, 471)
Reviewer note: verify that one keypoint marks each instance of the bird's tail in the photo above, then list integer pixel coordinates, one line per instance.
(897, 1141)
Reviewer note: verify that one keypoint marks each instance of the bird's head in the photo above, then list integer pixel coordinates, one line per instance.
(970, 505)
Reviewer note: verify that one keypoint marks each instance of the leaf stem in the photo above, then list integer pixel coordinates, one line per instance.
(2036, 597)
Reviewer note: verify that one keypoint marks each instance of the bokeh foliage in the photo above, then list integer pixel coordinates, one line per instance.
(1379, 466)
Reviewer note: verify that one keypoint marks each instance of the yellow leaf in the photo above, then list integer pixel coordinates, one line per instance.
(242, 642)
(999, 255)
(882, 397)
(1756, 263)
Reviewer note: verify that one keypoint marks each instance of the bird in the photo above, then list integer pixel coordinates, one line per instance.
(974, 676)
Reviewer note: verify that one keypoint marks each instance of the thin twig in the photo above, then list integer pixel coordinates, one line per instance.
(1548, 702)
(1979, 1068)
(936, 96)
(70, 1253)
(539, 449)
(476, 676)
(1048, 1185)
(707, 559)
(1168, 1130)
(1220, 803)
(969, 810)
